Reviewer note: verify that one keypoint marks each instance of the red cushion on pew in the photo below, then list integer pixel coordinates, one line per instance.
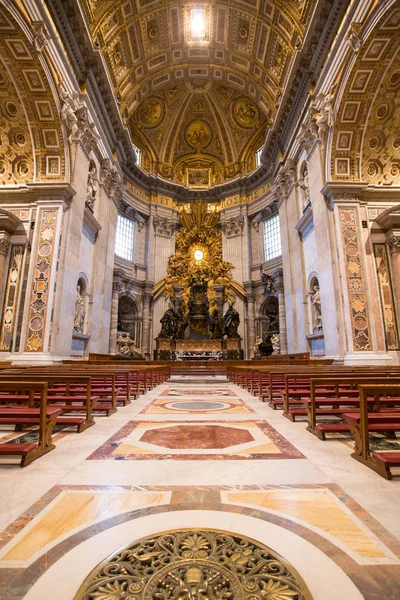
(333, 427)
(21, 412)
(389, 458)
(17, 448)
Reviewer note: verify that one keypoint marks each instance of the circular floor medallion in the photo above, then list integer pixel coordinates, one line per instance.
(194, 565)
(197, 405)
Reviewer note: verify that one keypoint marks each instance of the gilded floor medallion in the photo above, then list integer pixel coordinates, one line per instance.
(194, 565)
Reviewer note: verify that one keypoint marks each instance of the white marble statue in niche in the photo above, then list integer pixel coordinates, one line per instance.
(80, 307)
(315, 298)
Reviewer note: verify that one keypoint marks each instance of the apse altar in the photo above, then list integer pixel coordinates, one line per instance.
(198, 286)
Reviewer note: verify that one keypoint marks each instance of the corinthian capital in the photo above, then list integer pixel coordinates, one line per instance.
(394, 243)
(4, 244)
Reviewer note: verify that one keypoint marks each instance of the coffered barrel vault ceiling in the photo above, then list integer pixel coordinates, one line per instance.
(198, 108)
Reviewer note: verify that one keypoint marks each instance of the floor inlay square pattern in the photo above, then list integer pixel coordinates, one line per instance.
(200, 440)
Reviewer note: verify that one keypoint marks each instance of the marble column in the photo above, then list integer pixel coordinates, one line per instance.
(4, 246)
(116, 289)
(146, 346)
(394, 248)
(279, 289)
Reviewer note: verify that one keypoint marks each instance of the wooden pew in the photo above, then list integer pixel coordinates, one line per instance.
(381, 420)
(13, 414)
(71, 406)
(339, 405)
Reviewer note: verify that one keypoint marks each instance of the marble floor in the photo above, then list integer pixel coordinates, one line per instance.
(193, 456)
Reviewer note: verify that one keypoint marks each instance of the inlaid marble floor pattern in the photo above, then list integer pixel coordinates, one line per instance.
(198, 453)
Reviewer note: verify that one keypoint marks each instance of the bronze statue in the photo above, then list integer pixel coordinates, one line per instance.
(182, 323)
(216, 325)
(232, 321)
(266, 348)
(169, 323)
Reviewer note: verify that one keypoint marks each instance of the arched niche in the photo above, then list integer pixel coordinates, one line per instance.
(129, 320)
(81, 304)
(314, 301)
(268, 319)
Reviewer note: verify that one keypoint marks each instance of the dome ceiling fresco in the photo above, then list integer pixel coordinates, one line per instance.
(197, 97)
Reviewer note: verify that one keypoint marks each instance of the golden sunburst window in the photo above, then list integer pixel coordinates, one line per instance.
(198, 255)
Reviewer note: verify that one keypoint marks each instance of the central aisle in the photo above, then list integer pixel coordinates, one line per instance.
(199, 452)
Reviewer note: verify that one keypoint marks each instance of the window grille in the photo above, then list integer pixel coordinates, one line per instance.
(272, 238)
(124, 238)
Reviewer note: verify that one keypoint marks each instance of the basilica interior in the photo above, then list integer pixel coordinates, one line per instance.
(199, 299)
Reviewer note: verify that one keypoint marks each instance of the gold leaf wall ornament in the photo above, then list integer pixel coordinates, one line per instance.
(195, 565)
(198, 258)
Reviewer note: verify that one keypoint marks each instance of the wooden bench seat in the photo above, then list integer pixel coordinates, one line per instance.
(386, 460)
(315, 401)
(58, 396)
(45, 416)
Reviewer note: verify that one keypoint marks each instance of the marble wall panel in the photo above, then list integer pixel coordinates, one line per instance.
(386, 296)
(355, 277)
(11, 297)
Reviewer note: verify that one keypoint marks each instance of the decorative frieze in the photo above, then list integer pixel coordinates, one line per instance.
(360, 326)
